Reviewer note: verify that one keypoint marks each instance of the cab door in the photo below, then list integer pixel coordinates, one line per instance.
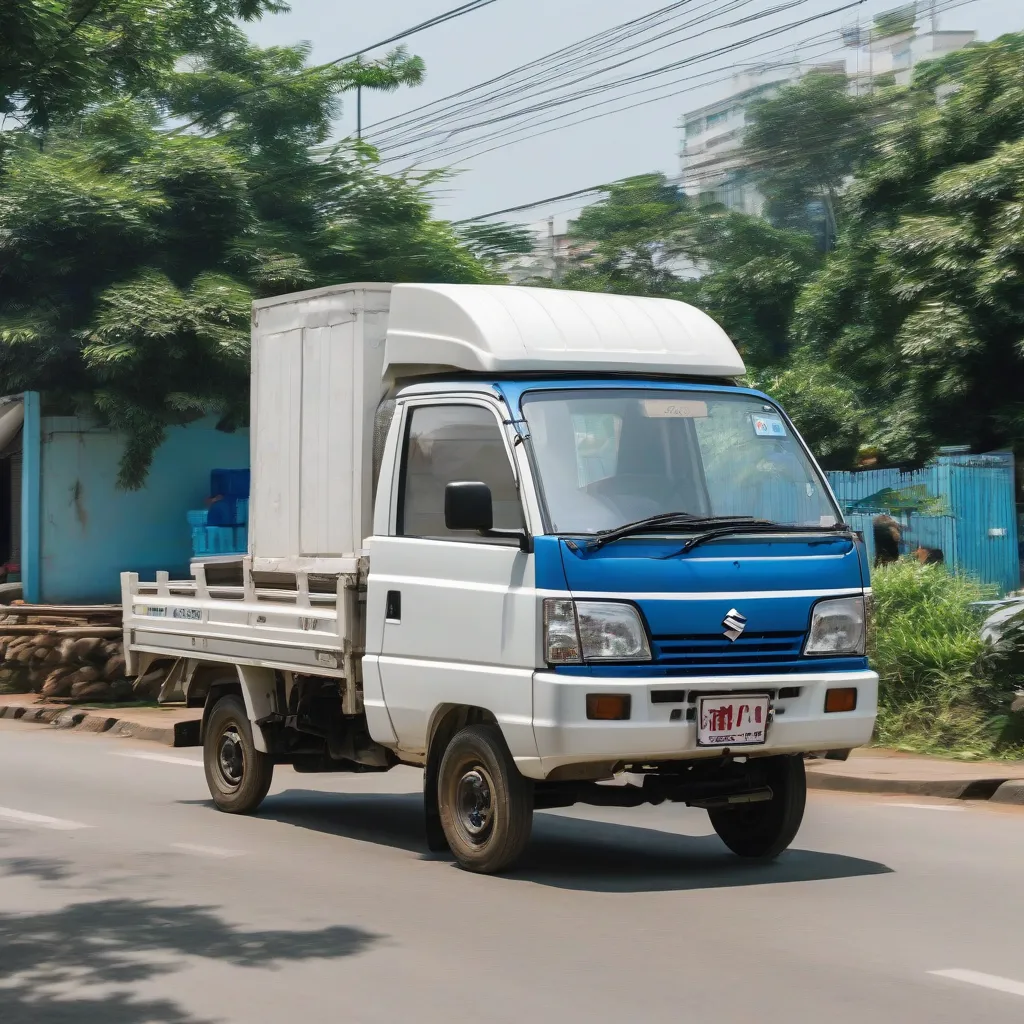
(458, 611)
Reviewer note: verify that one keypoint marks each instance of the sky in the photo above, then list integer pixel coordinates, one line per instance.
(505, 34)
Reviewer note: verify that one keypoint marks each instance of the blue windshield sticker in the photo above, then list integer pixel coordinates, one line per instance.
(768, 426)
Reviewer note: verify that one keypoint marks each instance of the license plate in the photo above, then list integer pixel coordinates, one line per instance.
(732, 721)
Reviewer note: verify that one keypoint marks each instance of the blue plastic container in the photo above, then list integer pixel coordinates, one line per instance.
(228, 512)
(216, 540)
(229, 483)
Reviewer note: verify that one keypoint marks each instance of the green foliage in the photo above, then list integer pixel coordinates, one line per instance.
(59, 56)
(496, 242)
(923, 302)
(803, 143)
(646, 238)
(942, 690)
(136, 231)
(630, 239)
(755, 275)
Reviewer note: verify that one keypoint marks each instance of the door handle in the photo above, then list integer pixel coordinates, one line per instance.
(393, 606)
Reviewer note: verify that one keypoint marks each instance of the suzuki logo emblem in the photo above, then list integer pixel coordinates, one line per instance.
(734, 624)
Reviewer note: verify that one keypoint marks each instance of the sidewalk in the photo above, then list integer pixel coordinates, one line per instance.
(868, 770)
(172, 726)
(873, 770)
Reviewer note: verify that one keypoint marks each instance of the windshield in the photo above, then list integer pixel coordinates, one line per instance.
(607, 457)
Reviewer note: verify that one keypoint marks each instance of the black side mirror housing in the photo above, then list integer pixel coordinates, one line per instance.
(468, 507)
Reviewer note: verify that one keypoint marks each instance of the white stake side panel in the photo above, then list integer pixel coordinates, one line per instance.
(317, 363)
(293, 631)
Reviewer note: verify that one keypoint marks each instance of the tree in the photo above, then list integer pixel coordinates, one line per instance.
(647, 238)
(59, 56)
(803, 144)
(135, 233)
(922, 304)
(754, 275)
(629, 240)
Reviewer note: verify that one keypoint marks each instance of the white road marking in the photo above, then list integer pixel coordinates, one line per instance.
(42, 820)
(992, 981)
(206, 851)
(922, 807)
(164, 758)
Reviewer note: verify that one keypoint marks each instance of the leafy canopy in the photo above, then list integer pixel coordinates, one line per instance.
(150, 199)
(922, 304)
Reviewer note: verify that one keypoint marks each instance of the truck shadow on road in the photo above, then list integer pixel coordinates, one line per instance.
(568, 852)
(83, 962)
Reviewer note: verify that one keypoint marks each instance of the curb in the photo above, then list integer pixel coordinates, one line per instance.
(949, 789)
(1011, 792)
(174, 734)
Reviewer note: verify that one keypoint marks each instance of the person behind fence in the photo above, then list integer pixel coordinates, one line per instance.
(887, 535)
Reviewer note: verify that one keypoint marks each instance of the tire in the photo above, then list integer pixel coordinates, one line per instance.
(238, 774)
(486, 806)
(762, 831)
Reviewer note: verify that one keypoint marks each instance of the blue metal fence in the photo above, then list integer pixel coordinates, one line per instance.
(971, 517)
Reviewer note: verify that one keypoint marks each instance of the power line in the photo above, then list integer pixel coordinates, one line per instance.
(644, 75)
(529, 206)
(942, 6)
(439, 150)
(456, 12)
(565, 62)
(549, 58)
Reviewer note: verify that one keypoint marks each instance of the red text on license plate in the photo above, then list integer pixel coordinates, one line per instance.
(732, 721)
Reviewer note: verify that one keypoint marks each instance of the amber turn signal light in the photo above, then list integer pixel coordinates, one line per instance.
(608, 707)
(844, 699)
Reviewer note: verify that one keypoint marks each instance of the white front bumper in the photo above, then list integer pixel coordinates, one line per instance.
(566, 736)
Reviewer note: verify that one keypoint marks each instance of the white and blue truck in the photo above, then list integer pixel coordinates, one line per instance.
(538, 543)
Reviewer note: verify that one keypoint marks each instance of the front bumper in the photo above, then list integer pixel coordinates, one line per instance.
(565, 736)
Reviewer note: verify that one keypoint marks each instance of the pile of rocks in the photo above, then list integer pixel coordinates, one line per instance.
(69, 653)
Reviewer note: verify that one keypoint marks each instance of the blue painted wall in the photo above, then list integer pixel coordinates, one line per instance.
(90, 531)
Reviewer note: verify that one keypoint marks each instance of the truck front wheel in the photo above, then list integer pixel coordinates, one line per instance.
(238, 774)
(486, 805)
(761, 831)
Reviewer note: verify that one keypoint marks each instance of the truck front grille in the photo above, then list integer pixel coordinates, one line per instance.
(713, 654)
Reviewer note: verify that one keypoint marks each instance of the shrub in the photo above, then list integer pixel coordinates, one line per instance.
(942, 688)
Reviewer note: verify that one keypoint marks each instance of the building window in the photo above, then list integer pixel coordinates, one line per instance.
(694, 127)
(717, 118)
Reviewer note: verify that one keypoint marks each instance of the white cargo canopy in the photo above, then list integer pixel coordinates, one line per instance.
(498, 329)
(322, 360)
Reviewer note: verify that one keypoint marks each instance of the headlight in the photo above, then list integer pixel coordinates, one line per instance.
(580, 631)
(837, 627)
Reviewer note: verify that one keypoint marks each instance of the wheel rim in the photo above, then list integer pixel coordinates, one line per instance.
(474, 804)
(231, 757)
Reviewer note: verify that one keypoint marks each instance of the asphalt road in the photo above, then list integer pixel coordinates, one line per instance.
(126, 899)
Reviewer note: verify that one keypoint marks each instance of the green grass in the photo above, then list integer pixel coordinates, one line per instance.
(943, 690)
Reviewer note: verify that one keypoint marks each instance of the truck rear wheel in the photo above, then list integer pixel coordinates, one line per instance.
(238, 774)
(762, 831)
(486, 805)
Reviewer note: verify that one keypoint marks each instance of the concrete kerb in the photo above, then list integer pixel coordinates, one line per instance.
(183, 733)
(949, 789)
(1010, 792)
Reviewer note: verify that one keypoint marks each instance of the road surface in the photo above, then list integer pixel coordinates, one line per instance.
(126, 899)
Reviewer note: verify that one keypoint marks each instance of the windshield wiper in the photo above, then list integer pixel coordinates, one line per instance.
(666, 521)
(758, 526)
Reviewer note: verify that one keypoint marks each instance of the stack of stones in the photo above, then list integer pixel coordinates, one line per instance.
(69, 653)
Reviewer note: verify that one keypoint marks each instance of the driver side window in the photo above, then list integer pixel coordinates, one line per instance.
(445, 444)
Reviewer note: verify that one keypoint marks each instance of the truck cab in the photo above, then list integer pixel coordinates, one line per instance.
(597, 569)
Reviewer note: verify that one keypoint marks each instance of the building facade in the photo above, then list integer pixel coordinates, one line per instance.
(712, 164)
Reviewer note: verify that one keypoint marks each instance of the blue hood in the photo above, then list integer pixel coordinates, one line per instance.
(684, 598)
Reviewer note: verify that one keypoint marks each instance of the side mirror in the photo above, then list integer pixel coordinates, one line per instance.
(468, 507)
